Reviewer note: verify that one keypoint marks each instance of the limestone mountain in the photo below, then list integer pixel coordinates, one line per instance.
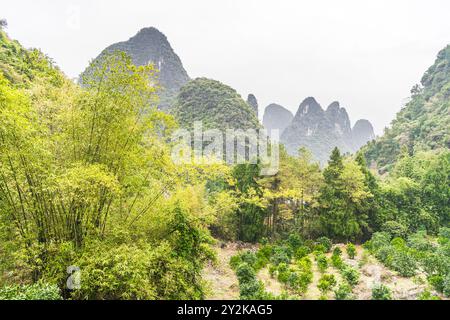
(217, 105)
(149, 45)
(253, 102)
(321, 131)
(276, 117)
(341, 122)
(424, 122)
(362, 132)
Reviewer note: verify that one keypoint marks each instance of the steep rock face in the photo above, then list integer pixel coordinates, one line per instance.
(151, 46)
(215, 104)
(277, 117)
(321, 131)
(362, 133)
(340, 119)
(252, 102)
(313, 129)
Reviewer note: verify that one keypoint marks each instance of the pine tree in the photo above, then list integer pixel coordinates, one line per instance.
(343, 199)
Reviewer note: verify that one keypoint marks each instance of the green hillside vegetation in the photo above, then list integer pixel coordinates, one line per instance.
(423, 124)
(87, 180)
(21, 67)
(217, 105)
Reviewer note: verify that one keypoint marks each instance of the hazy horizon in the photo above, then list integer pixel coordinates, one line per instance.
(366, 55)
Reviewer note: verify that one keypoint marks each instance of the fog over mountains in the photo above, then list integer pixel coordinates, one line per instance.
(321, 130)
(220, 106)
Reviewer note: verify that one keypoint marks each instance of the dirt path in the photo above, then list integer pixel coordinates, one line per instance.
(271, 285)
(221, 279)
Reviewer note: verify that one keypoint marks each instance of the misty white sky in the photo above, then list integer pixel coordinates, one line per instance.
(367, 54)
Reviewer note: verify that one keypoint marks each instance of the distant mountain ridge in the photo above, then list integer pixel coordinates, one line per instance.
(276, 117)
(321, 130)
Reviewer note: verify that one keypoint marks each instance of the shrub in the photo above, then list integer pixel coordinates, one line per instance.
(310, 244)
(427, 295)
(379, 239)
(295, 241)
(320, 248)
(435, 263)
(420, 242)
(385, 254)
(437, 282)
(446, 286)
(336, 261)
(251, 290)
(304, 264)
(272, 270)
(326, 283)
(245, 273)
(265, 251)
(395, 229)
(398, 243)
(283, 273)
(404, 264)
(304, 281)
(381, 292)
(302, 252)
(337, 251)
(122, 272)
(343, 292)
(37, 291)
(444, 236)
(249, 257)
(235, 261)
(280, 255)
(351, 275)
(351, 250)
(322, 262)
(325, 242)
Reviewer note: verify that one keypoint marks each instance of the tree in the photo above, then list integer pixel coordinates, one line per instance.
(343, 199)
(291, 193)
(251, 211)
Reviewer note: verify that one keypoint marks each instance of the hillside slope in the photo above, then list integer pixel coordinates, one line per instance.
(217, 105)
(423, 124)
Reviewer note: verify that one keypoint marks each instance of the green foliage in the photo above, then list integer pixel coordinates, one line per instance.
(326, 283)
(37, 291)
(351, 250)
(343, 198)
(446, 285)
(245, 273)
(281, 255)
(322, 262)
(381, 292)
(336, 259)
(343, 292)
(326, 243)
(427, 295)
(218, 106)
(252, 290)
(302, 252)
(395, 229)
(422, 124)
(295, 241)
(351, 275)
